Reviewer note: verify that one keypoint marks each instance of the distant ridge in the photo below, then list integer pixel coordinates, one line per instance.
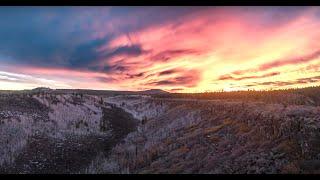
(41, 89)
(154, 91)
(99, 92)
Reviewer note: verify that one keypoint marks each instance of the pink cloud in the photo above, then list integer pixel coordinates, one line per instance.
(229, 77)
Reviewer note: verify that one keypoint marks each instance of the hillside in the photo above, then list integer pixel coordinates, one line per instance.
(234, 133)
(216, 137)
(57, 133)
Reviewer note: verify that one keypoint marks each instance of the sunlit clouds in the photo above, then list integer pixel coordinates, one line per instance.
(179, 49)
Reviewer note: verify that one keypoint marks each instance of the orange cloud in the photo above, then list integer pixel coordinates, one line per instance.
(229, 77)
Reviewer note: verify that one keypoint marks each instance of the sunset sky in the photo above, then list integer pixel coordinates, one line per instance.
(178, 49)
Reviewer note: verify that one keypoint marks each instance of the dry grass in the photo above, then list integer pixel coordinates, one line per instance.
(290, 147)
(291, 168)
(243, 128)
(215, 129)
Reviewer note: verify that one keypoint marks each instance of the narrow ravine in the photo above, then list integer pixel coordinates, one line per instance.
(73, 153)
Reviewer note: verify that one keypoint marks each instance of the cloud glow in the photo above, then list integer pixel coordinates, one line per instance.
(186, 50)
